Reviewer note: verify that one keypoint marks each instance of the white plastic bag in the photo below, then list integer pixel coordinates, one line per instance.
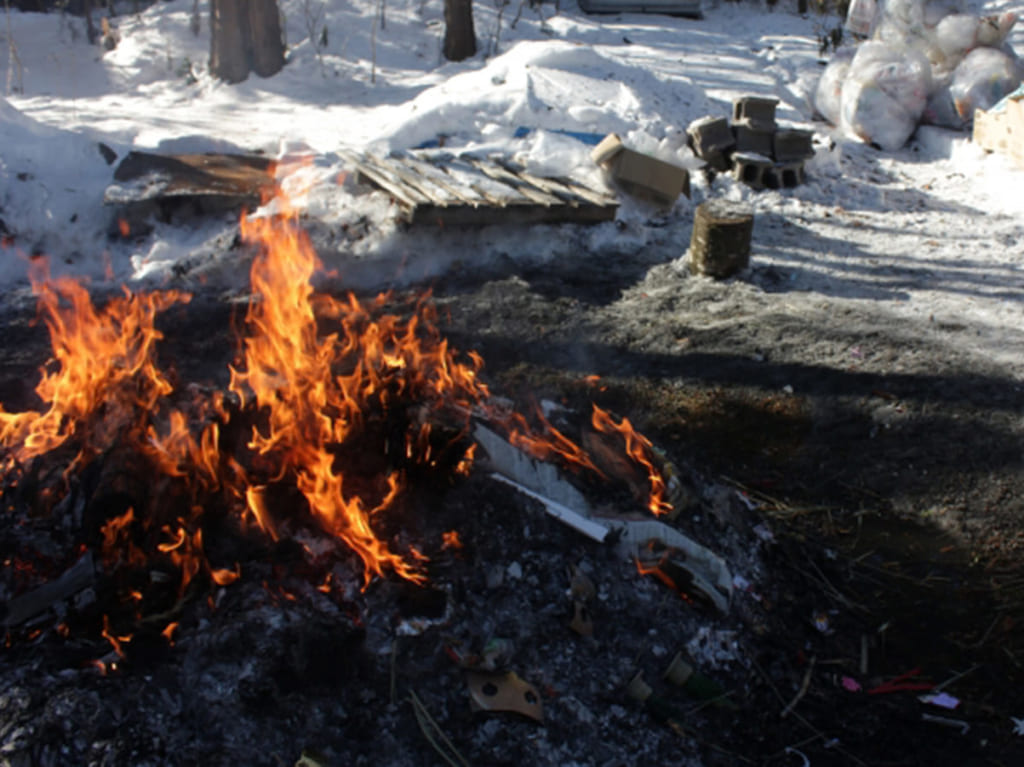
(827, 96)
(982, 79)
(885, 94)
(860, 17)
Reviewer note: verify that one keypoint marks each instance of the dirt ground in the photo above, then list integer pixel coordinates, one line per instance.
(887, 463)
(890, 461)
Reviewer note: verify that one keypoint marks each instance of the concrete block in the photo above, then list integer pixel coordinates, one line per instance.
(754, 139)
(712, 141)
(793, 145)
(785, 175)
(755, 110)
(751, 169)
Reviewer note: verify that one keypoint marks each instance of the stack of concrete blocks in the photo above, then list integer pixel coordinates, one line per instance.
(753, 147)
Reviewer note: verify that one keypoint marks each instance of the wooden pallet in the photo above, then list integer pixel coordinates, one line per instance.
(437, 189)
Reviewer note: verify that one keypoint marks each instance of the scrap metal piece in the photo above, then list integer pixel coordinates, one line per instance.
(504, 692)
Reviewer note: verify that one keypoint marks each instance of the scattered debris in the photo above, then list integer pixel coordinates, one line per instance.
(434, 734)
(901, 683)
(942, 700)
(504, 692)
(682, 674)
(641, 174)
(964, 726)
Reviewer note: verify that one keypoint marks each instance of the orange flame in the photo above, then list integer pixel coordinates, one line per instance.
(316, 388)
(638, 447)
(451, 540)
(103, 363)
(552, 444)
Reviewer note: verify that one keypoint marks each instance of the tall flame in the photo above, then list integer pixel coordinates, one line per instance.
(317, 388)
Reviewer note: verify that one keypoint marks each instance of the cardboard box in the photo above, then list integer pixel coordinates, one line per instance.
(1001, 129)
(641, 174)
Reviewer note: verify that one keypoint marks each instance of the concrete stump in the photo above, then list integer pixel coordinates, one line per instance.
(720, 244)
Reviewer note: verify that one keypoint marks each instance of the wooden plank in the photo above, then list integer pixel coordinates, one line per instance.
(504, 177)
(418, 182)
(561, 187)
(437, 176)
(381, 180)
(556, 182)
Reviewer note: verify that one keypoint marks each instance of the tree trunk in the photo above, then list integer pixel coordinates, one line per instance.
(459, 35)
(267, 47)
(245, 36)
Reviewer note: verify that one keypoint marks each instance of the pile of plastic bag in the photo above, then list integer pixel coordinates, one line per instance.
(926, 61)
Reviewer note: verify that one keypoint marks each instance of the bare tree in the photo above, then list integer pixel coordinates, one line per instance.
(245, 36)
(459, 35)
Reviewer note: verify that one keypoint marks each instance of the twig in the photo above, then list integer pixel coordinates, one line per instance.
(959, 723)
(803, 688)
(393, 673)
(429, 727)
(956, 677)
(800, 718)
(984, 637)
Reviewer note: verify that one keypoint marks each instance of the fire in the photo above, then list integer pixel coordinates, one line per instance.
(552, 444)
(638, 447)
(327, 386)
(316, 389)
(451, 540)
(103, 363)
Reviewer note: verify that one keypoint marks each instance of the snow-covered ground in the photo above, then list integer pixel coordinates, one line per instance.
(932, 232)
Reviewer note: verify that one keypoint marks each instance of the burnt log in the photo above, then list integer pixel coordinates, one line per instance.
(24, 608)
(720, 243)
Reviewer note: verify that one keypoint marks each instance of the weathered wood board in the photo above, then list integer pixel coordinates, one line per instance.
(435, 189)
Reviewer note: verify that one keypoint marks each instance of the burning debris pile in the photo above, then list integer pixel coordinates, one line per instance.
(275, 539)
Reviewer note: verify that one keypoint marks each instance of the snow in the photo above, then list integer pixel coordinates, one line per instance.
(931, 232)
